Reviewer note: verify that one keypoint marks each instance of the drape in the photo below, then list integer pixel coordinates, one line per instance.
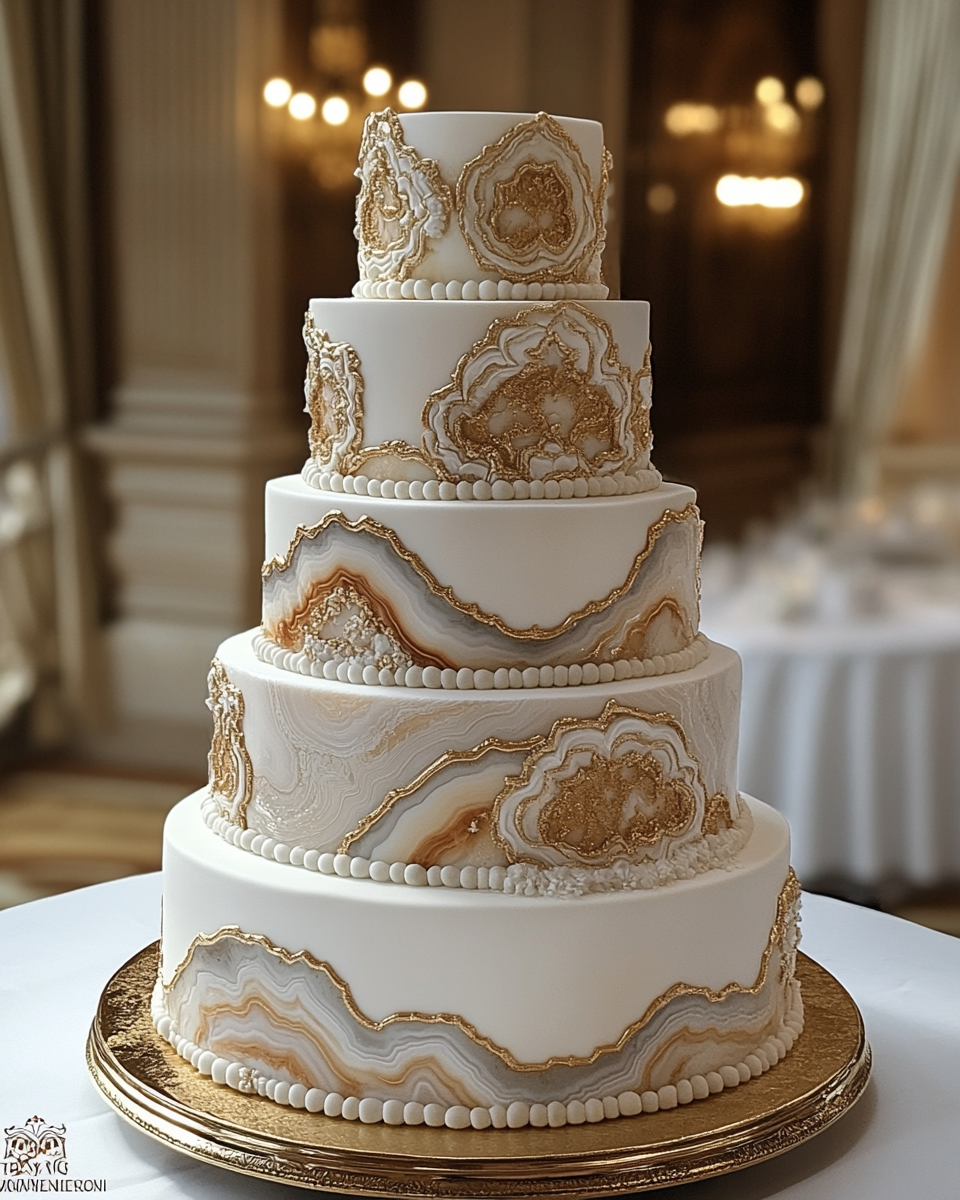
(907, 170)
(47, 597)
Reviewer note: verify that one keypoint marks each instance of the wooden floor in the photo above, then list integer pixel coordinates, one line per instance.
(69, 825)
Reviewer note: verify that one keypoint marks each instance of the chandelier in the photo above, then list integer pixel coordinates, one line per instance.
(321, 120)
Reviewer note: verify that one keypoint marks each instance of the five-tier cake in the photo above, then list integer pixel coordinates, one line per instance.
(472, 852)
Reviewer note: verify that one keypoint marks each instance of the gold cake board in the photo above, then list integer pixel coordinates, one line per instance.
(147, 1083)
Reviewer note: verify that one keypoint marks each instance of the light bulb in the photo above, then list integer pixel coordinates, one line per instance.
(335, 110)
(809, 93)
(377, 81)
(277, 92)
(302, 106)
(412, 94)
(769, 90)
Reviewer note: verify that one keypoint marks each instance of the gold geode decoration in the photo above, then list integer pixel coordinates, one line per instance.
(403, 201)
(542, 396)
(231, 772)
(333, 390)
(528, 209)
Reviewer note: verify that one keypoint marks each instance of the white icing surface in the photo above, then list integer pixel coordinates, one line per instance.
(539, 976)
(528, 562)
(408, 351)
(325, 754)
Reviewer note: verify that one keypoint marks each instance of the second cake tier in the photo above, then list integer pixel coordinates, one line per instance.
(626, 784)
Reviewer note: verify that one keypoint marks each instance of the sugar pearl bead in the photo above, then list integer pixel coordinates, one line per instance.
(607, 672)
(341, 865)
(465, 679)
(590, 673)
(754, 1065)
(434, 878)
(351, 1108)
(531, 677)
(576, 1113)
(480, 1118)
(448, 679)
(538, 1116)
(457, 1117)
(482, 490)
(401, 489)
(218, 1072)
(566, 489)
(447, 490)
(454, 289)
(393, 1112)
(407, 289)
(386, 677)
(629, 1103)
(521, 489)
(370, 674)
(431, 490)
(415, 875)
(413, 1113)
(611, 1109)
(450, 876)
(470, 290)
(468, 877)
(560, 675)
(396, 872)
(650, 1102)
(730, 1076)
(487, 289)
(281, 1093)
(744, 1072)
(700, 1087)
(431, 677)
(502, 490)
(297, 1097)
(359, 868)
(311, 860)
(546, 676)
(483, 680)
(594, 1109)
(416, 489)
(684, 1091)
(715, 1081)
(355, 673)
(421, 289)
(313, 1100)
(667, 1096)
(536, 489)
(465, 490)
(393, 290)
(435, 1115)
(370, 1110)
(438, 292)
(518, 1115)
(574, 675)
(498, 1116)
(501, 678)
(380, 871)
(556, 1114)
(413, 677)
(504, 289)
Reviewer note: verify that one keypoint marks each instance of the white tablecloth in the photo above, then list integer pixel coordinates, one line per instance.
(901, 1139)
(852, 730)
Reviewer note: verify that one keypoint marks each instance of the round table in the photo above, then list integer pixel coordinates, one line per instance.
(852, 730)
(901, 1138)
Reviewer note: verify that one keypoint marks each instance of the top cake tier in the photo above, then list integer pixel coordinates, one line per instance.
(480, 206)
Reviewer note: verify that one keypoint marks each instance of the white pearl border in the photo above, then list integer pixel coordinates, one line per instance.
(646, 479)
(472, 289)
(466, 679)
(712, 852)
(370, 1111)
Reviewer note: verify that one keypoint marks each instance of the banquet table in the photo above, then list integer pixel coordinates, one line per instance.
(851, 728)
(901, 1138)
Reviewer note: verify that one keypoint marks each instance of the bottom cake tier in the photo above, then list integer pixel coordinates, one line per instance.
(463, 1008)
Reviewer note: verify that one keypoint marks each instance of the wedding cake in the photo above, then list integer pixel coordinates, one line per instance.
(472, 852)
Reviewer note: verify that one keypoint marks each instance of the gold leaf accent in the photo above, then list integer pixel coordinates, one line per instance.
(526, 206)
(611, 806)
(231, 772)
(786, 902)
(615, 804)
(544, 387)
(534, 632)
(403, 201)
(717, 815)
(334, 399)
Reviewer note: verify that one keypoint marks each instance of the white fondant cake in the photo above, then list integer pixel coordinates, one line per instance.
(472, 852)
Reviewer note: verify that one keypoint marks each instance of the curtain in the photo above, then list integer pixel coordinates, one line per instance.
(47, 597)
(907, 169)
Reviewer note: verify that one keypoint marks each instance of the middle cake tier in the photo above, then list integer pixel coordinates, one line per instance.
(480, 595)
(625, 784)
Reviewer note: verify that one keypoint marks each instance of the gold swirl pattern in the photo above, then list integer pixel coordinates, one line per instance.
(533, 632)
(333, 390)
(231, 772)
(783, 938)
(527, 207)
(542, 396)
(403, 201)
(595, 792)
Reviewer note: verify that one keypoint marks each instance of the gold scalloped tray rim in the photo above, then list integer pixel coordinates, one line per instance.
(145, 1081)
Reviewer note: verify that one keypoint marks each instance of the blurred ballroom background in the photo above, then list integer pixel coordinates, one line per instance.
(176, 182)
